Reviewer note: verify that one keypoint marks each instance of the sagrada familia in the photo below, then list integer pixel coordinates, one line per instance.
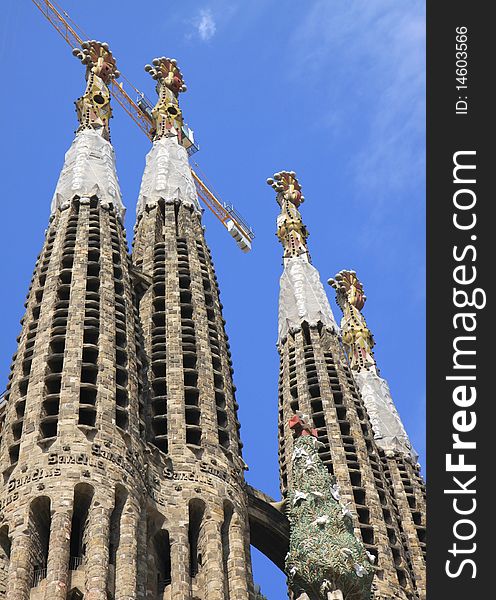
(122, 476)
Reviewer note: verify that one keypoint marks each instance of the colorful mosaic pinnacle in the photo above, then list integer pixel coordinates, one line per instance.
(93, 107)
(357, 338)
(325, 559)
(291, 231)
(166, 114)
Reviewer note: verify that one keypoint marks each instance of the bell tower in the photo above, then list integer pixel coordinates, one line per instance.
(397, 454)
(71, 455)
(315, 380)
(195, 464)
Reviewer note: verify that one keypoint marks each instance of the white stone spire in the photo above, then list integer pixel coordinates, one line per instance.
(302, 298)
(389, 432)
(89, 170)
(89, 166)
(167, 175)
(167, 172)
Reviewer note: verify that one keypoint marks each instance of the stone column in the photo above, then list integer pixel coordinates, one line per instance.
(127, 555)
(97, 551)
(20, 576)
(106, 411)
(180, 574)
(237, 562)
(73, 353)
(151, 581)
(142, 574)
(213, 565)
(176, 420)
(4, 562)
(59, 554)
(206, 385)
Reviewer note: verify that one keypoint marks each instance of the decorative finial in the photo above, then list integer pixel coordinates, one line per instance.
(357, 337)
(291, 231)
(167, 116)
(93, 107)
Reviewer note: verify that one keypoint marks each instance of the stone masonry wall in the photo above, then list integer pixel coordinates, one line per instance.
(315, 379)
(72, 415)
(93, 503)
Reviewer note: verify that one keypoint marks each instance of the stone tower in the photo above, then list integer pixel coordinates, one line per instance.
(122, 475)
(70, 452)
(399, 458)
(194, 450)
(316, 380)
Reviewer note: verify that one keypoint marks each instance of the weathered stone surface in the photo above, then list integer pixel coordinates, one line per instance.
(94, 500)
(199, 492)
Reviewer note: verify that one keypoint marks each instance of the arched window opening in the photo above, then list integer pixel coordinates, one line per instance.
(83, 495)
(162, 550)
(226, 546)
(196, 512)
(39, 524)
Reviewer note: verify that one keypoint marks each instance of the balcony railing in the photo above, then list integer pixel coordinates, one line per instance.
(39, 574)
(75, 562)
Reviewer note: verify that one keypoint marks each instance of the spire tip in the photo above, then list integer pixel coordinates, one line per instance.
(167, 116)
(291, 231)
(357, 337)
(93, 107)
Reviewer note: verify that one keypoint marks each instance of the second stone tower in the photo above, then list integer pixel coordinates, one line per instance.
(192, 423)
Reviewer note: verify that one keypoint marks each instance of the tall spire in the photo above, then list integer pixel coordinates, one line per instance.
(192, 426)
(302, 298)
(315, 380)
(167, 174)
(389, 431)
(89, 166)
(76, 393)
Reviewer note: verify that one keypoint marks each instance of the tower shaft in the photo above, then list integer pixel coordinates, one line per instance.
(192, 393)
(195, 468)
(72, 480)
(399, 459)
(195, 463)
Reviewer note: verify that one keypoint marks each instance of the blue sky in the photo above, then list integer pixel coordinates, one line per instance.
(332, 89)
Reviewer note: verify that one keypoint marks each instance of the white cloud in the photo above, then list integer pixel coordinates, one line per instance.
(372, 55)
(364, 63)
(205, 24)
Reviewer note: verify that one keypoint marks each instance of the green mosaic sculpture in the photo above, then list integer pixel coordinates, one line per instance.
(325, 559)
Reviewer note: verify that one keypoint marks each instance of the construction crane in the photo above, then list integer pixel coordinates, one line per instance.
(140, 113)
